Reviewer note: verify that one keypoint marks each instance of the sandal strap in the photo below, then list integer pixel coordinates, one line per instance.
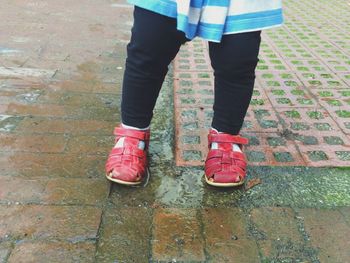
(125, 151)
(217, 153)
(216, 168)
(225, 165)
(137, 134)
(226, 138)
(129, 159)
(218, 160)
(134, 158)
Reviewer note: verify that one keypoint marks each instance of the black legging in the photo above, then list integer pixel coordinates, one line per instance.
(154, 43)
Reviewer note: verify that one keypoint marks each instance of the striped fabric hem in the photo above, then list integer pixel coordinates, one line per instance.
(213, 31)
(165, 7)
(239, 24)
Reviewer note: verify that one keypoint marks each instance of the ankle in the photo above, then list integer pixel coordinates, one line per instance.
(215, 145)
(135, 128)
(122, 140)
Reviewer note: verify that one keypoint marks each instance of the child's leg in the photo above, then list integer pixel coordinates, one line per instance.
(234, 61)
(154, 43)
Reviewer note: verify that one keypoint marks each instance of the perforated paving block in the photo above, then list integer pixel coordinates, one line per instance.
(262, 119)
(284, 89)
(307, 65)
(300, 109)
(345, 77)
(316, 79)
(269, 59)
(193, 57)
(271, 149)
(337, 104)
(322, 156)
(193, 89)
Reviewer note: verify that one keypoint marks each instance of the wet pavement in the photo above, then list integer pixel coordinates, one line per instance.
(61, 66)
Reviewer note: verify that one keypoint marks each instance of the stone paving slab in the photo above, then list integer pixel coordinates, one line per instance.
(62, 191)
(125, 235)
(177, 235)
(38, 165)
(301, 95)
(320, 225)
(265, 234)
(54, 252)
(59, 99)
(278, 233)
(49, 222)
(226, 237)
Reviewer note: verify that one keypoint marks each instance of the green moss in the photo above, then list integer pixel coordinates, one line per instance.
(292, 114)
(273, 83)
(283, 101)
(255, 156)
(343, 155)
(192, 155)
(260, 113)
(314, 62)
(303, 69)
(315, 115)
(278, 92)
(297, 92)
(186, 83)
(186, 91)
(333, 102)
(317, 156)
(305, 101)
(322, 126)
(283, 157)
(343, 113)
(203, 75)
(187, 101)
(325, 94)
(262, 67)
(276, 61)
(315, 82)
(257, 102)
(334, 83)
(267, 76)
(280, 67)
(326, 76)
(333, 140)
(345, 93)
(256, 93)
(291, 83)
(299, 126)
(276, 141)
(286, 76)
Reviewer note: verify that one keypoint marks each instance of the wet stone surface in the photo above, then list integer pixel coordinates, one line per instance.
(58, 108)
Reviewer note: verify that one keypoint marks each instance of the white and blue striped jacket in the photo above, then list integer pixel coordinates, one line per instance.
(210, 19)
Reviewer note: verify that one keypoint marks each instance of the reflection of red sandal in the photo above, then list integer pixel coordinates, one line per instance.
(225, 166)
(127, 162)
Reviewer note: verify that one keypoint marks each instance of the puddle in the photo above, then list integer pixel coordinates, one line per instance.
(8, 123)
(4, 50)
(29, 97)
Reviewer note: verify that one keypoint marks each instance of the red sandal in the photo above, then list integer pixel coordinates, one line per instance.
(223, 166)
(128, 164)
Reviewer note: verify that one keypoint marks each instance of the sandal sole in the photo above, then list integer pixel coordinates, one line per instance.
(223, 184)
(126, 182)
